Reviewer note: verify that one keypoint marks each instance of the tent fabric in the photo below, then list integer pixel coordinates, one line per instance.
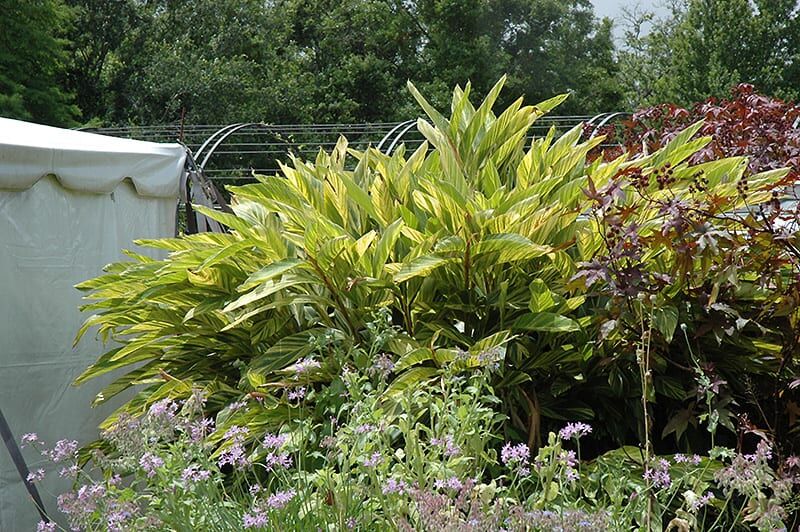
(86, 162)
(55, 232)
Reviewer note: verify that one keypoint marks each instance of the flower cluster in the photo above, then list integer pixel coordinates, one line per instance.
(491, 358)
(84, 501)
(275, 441)
(365, 428)
(683, 459)
(516, 458)
(395, 486)
(305, 366)
(570, 462)
(370, 479)
(70, 471)
(237, 405)
(255, 519)
(30, 437)
(448, 446)
(63, 450)
(43, 526)
(165, 409)
(194, 473)
(280, 499)
(150, 462)
(277, 460)
(234, 453)
(657, 473)
(695, 502)
(574, 431)
(372, 461)
(36, 476)
(455, 508)
(129, 435)
(573, 520)
(382, 367)
(748, 474)
(297, 394)
(199, 429)
(258, 517)
(452, 483)
(118, 517)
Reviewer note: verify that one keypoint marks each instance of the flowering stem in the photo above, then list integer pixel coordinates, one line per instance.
(382, 497)
(643, 358)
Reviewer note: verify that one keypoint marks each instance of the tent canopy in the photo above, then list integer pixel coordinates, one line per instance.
(70, 202)
(86, 162)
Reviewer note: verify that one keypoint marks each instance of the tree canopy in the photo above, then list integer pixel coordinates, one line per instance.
(706, 47)
(32, 61)
(323, 61)
(302, 61)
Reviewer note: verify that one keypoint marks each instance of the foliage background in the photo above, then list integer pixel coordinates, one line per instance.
(300, 61)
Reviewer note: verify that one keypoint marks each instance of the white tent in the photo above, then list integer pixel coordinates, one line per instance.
(69, 203)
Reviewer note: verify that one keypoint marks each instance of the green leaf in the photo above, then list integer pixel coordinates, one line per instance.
(546, 322)
(359, 196)
(285, 351)
(550, 104)
(509, 247)
(542, 299)
(438, 120)
(497, 339)
(672, 388)
(665, 321)
(385, 245)
(681, 147)
(679, 423)
(420, 267)
(265, 290)
(413, 357)
(410, 379)
(224, 253)
(231, 220)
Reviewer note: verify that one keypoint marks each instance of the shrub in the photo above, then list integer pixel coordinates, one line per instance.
(478, 248)
(735, 267)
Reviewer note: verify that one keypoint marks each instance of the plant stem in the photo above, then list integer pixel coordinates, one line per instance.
(643, 358)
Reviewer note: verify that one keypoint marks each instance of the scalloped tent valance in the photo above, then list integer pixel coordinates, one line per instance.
(86, 162)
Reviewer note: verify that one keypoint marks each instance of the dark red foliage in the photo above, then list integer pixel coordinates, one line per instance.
(762, 128)
(707, 251)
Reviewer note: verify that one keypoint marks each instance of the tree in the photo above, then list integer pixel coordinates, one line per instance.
(32, 61)
(645, 58)
(326, 61)
(708, 46)
(460, 42)
(546, 47)
(711, 48)
(212, 62)
(352, 58)
(100, 28)
(558, 46)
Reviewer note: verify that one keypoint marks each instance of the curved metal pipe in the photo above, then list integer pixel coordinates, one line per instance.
(596, 117)
(212, 137)
(226, 134)
(392, 132)
(400, 136)
(605, 121)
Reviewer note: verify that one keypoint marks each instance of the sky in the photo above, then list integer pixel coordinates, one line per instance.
(613, 10)
(609, 8)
